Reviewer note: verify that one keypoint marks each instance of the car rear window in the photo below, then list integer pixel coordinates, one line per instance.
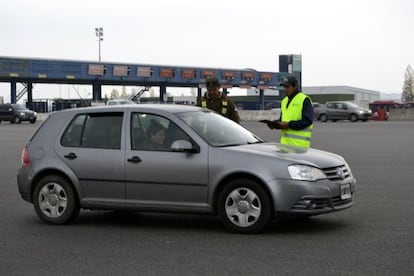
(94, 130)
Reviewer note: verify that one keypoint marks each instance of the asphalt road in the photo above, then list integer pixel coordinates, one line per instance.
(374, 237)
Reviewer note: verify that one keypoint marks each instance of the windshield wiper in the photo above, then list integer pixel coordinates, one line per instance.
(257, 142)
(230, 145)
(240, 144)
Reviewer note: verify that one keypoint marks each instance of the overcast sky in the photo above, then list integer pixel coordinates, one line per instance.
(362, 43)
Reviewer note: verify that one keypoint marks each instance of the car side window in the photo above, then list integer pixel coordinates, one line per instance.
(341, 106)
(94, 130)
(154, 132)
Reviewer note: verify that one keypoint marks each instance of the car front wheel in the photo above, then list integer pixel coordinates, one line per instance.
(245, 207)
(323, 118)
(55, 200)
(17, 120)
(353, 118)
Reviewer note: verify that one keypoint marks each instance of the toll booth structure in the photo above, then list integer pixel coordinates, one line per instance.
(29, 71)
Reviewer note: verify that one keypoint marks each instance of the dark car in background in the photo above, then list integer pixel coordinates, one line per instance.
(106, 158)
(16, 113)
(341, 110)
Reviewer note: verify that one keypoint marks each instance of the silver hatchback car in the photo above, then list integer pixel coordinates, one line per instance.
(175, 158)
(342, 111)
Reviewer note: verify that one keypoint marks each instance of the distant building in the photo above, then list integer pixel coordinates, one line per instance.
(323, 94)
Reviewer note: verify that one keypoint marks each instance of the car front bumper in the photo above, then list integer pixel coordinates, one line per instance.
(312, 198)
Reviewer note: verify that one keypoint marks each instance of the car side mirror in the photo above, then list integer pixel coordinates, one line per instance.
(10, 109)
(182, 146)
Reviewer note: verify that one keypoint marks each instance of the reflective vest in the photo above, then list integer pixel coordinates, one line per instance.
(300, 138)
(223, 105)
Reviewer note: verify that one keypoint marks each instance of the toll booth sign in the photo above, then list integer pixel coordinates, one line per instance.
(121, 71)
(188, 74)
(96, 69)
(145, 72)
(166, 73)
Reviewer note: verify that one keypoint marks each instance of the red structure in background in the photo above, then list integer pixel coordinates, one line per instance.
(380, 109)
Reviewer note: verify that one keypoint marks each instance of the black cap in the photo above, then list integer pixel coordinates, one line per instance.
(289, 81)
(212, 83)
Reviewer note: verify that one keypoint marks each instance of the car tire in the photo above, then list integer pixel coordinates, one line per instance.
(55, 200)
(245, 207)
(33, 121)
(16, 120)
(323, 118)
(353, 118)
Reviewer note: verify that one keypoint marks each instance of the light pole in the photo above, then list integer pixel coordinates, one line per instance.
(99, 35)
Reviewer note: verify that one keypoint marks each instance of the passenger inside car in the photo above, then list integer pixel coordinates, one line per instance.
(156, 135)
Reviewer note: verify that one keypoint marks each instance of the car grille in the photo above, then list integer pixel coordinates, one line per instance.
(310, 203)
(337, 173)
(337, 201)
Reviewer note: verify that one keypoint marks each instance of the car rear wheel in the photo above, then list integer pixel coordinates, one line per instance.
(245, 207)
(55, 200)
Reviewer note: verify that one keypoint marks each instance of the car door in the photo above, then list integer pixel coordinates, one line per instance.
(333, 111)
(93, 148)
(342, 111)
(158, 177)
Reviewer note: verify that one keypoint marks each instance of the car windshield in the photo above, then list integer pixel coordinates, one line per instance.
(353, 105)
(217, 130)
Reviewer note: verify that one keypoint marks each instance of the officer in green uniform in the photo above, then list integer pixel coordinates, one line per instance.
(296, 116)
(215, 100)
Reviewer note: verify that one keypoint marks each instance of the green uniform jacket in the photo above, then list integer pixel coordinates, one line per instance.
(222, 105)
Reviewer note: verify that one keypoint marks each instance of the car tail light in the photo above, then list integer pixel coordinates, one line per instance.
(25, 157)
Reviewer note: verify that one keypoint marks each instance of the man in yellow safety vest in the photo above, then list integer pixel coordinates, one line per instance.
(296, 116)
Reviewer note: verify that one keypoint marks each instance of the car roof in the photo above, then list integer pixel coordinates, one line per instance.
(170, 108)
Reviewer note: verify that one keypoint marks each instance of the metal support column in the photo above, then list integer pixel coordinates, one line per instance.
(30, 95)
(96, 92)
(163, 93)
(13, 92)
(199, 90)
(261, 97)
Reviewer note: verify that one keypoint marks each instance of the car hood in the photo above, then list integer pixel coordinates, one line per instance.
(315, 157)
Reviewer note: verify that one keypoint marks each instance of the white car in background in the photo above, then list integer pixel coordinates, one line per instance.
(119, 101)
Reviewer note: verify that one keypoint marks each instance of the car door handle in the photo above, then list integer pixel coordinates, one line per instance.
(70, 156)
(134, 159)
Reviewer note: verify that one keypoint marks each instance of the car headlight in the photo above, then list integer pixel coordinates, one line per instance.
(304, 172)
(22, 113)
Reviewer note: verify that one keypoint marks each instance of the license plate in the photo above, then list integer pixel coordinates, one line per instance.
(345, 191)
